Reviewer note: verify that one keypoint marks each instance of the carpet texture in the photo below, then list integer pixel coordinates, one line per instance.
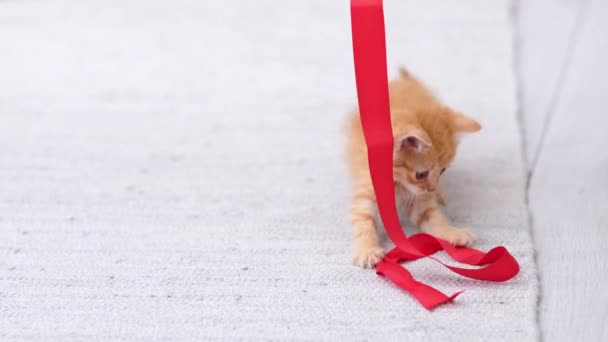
(174, 171)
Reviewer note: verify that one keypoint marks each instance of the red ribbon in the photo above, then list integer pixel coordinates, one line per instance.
(369, 49)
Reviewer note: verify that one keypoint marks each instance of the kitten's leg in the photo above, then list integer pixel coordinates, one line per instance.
(431, 220)
(367, 250)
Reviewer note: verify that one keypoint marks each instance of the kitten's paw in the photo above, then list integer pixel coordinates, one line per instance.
(368, 257)
(458, 236)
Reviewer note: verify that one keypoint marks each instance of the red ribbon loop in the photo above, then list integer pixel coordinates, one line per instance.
(369, 49)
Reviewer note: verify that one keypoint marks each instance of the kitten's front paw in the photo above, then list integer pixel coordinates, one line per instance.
(458, 236)
(368, 257)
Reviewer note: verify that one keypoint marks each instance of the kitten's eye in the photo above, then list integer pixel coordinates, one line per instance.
(421, 175)
(443, 170)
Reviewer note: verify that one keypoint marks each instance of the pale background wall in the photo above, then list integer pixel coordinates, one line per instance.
(563, 49)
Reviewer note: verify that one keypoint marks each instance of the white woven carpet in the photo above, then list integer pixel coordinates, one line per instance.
(173, 171)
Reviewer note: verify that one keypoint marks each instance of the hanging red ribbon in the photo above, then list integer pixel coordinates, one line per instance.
(369, 49)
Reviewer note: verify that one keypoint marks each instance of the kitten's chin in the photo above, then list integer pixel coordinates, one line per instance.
(418, 191)
(412, 189)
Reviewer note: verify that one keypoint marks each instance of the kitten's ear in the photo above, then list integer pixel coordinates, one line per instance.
(415, 140)
(464, 124)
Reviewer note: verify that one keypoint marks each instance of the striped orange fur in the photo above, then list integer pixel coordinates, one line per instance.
(426, 138)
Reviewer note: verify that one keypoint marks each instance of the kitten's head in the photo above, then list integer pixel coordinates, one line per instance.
(425, 145)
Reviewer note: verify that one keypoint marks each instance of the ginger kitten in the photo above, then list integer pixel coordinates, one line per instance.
(426, 136)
